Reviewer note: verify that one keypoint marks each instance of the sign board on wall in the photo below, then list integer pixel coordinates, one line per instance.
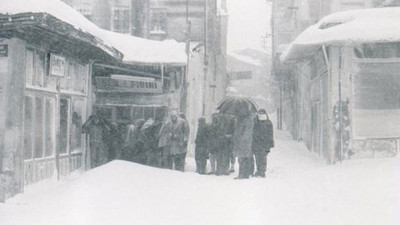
(57, 65)
(131, 84)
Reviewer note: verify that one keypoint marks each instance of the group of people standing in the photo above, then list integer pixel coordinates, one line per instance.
(158, 143)
(163, 143)
(248, 138)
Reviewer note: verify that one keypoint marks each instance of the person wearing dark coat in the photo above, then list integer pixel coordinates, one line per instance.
(151, 131)
(116, 140)
(220, 137)
(202, 146)
(242, 142)
(263, 141)
(135, 150)
(98, 130)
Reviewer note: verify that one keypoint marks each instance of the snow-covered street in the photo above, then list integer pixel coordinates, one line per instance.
(299, 189)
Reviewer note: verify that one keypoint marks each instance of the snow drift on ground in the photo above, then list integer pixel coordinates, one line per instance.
(349, 27)
(134, 49)
(299, 189)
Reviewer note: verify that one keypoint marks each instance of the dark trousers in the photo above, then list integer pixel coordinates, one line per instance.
(201, 163)
(178, 160)
(201, 156)
(261, 162)
(223, 158)
(154, 157)
(245, 167)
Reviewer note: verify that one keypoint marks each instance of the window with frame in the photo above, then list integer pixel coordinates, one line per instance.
(28, 127)
(38, 132)
(121, 19)
(49, 127)
(64, 117)
(158, 19)
(35, 68)
(78, 114)
(376, 94)
(377, 51)
(39, 126)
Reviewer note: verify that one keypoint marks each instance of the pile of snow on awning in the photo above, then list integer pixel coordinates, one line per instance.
(134, 49)
(348, 28)
(140, 50)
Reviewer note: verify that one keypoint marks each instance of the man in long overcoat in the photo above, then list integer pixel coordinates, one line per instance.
(202, 146)
(242, 141)
(174, 138)
(263, 141)
(98, 130)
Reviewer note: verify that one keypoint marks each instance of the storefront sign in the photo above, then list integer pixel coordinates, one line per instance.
(57, 65)
(3, 50)
(133, 84)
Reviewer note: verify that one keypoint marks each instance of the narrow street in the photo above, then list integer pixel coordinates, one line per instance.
(299, 189)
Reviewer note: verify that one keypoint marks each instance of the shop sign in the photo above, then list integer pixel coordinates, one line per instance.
(133, 84)
(3, 50)
(57, 65)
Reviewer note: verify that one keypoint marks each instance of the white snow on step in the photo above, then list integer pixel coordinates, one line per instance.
(299, 189)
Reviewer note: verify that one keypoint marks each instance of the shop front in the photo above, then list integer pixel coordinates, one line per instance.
(45, 98)
(123, 96)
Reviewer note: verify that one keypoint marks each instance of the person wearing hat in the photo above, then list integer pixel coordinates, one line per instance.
(174, 142)
(263, 141)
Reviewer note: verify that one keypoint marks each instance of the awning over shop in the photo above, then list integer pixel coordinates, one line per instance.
(134, 49)
(346, 28)
(62, 12)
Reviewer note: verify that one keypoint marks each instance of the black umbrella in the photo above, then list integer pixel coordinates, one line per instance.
(237, 106)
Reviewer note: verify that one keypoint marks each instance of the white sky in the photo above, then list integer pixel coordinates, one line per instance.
(248, 22)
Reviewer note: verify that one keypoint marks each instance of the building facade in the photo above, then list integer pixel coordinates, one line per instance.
(329, 92)
(45, 97)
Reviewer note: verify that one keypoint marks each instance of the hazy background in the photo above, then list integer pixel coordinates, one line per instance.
(248, 22)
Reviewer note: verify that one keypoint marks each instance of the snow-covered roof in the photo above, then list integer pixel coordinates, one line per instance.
(347, 28)
(56, 8)
(140, 50)
(134, 49)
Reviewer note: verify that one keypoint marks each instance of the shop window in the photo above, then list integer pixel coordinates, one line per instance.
(378, 50)
(104, 112)
(158, 19)
(35, 68)
(76, 77)
(121, 20)
(40, 68)
(123, 113)
(29, 68)
(78, 113)
(161, 113)
(38, 133)
(64, 107)
(148, 112)
(376, 99)
(49, 129)
(137, 113)
(81, 79)
(28, 132)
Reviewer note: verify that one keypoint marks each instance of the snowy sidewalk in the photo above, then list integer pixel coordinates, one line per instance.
(299, 189)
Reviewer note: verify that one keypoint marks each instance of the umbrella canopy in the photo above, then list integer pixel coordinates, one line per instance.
(237, 106)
